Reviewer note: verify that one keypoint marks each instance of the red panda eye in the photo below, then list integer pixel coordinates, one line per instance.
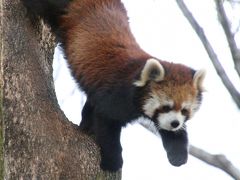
(185, 112)
(166, 109)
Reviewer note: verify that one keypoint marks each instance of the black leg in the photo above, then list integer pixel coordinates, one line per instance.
(176, 146)
(86, 124)
(108, 138)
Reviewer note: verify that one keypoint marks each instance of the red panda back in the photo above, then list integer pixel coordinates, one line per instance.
(98, 41)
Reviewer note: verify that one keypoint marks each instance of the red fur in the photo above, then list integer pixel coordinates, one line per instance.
(106, 61)
(177, 84)
(101, 49)
(99, 43)
(177, 74)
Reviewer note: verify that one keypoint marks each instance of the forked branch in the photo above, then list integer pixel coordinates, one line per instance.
(211, 53)
(223, 19)
(218, 161)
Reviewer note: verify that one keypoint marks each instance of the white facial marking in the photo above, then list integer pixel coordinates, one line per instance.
(171, 120)
(154, 103)
(150, 106)
(192, 106)
(165, 120)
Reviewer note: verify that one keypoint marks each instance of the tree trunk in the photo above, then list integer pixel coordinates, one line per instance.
(38, 141)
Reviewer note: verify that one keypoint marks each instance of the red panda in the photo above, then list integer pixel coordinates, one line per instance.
(122, 81)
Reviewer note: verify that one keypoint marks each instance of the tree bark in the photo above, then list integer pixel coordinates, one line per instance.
(39, 142)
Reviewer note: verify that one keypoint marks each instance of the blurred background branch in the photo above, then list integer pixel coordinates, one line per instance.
(219, 161)
(211, 53)
(226, 25)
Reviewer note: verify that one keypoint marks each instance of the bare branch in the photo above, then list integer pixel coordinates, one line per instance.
(229, 34)
(218, 161)
(234, 1)
(212, 55)
(237, 29)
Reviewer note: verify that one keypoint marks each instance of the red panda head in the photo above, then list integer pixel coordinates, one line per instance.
(174, 93)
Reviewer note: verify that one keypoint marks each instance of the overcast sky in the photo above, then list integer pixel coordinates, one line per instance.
(161, 30)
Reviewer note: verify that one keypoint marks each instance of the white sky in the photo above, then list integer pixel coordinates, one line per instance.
(161, 30)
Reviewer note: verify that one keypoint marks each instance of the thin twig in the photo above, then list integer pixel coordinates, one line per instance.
(237, 29)
(218, 161)
(234, 1)
(211, 53)
(235, 52)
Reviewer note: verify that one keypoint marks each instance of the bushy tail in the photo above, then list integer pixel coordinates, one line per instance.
(49, 10)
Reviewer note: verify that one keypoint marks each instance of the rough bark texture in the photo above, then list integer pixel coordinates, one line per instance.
(39, 142)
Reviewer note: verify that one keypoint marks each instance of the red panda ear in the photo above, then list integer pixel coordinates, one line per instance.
(152, 71)
(198, 79)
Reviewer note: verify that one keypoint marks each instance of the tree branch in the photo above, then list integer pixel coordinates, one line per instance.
(1, 92)
(234, 1)
(39, 142)
(211, 53)
(218, 161)
(235, 51)
(237, 29)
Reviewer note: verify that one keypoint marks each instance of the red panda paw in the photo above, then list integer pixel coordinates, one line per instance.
(178, 158)
(111, 163)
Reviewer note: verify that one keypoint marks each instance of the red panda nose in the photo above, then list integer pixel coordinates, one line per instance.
(175, 123)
